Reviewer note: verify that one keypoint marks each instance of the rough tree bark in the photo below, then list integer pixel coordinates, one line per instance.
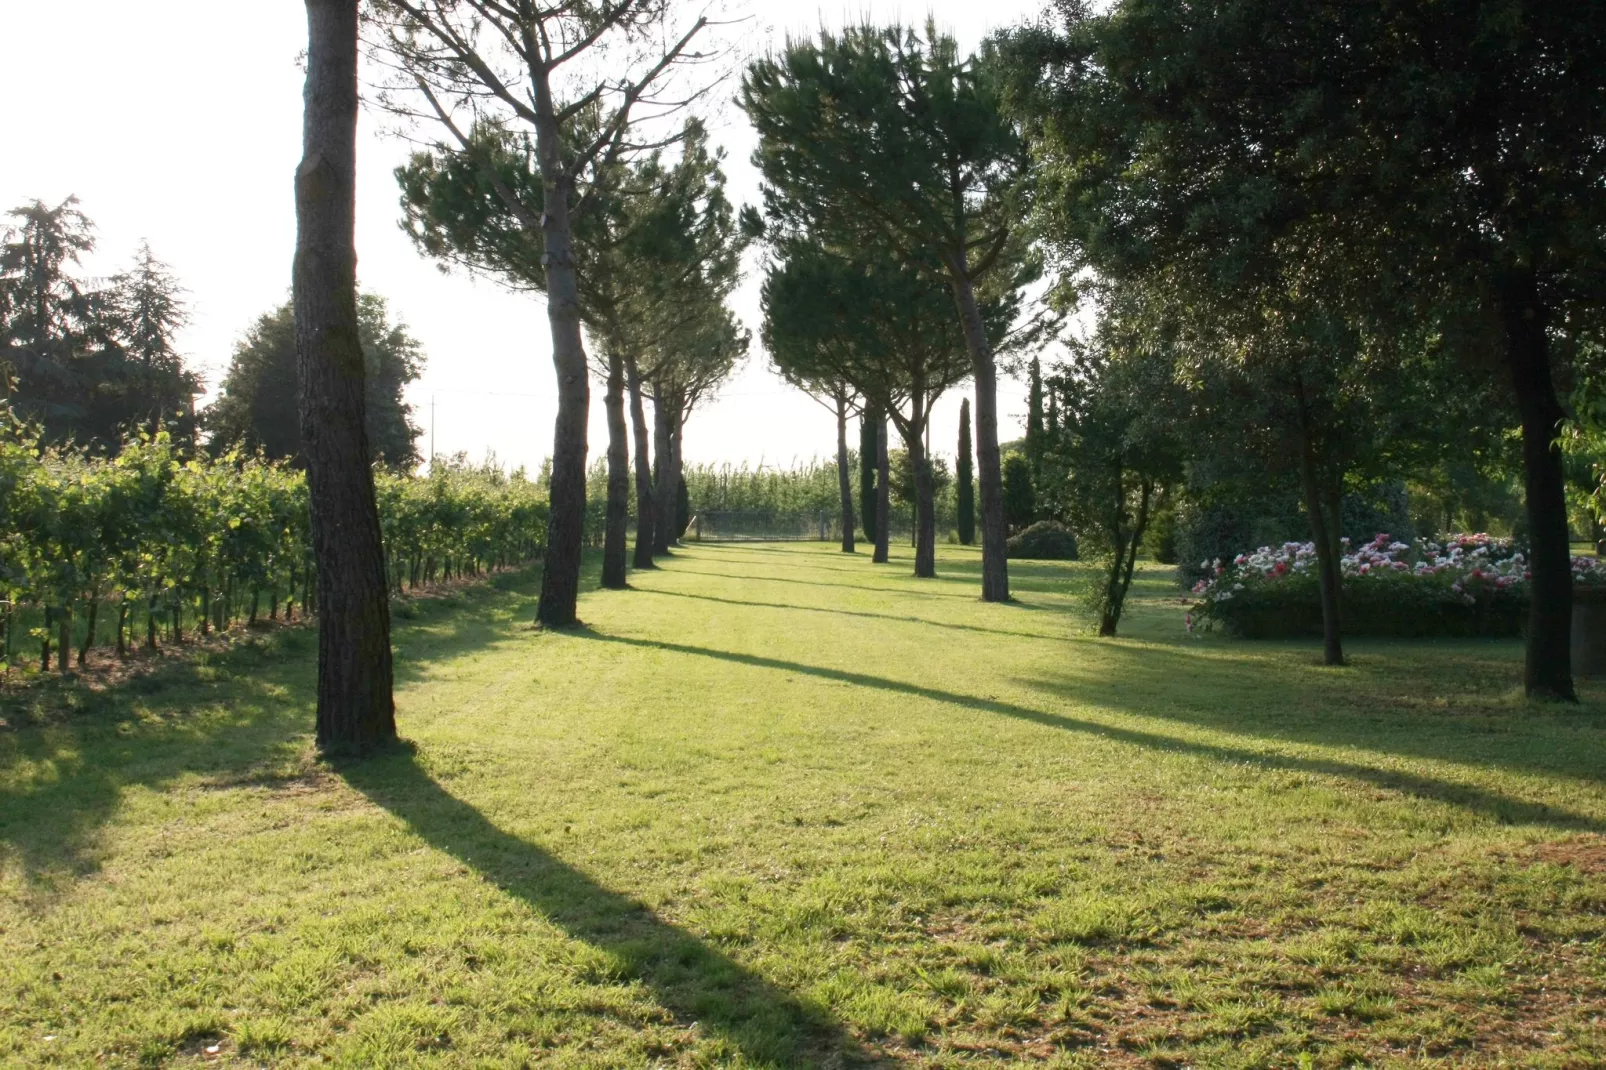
(645, 509)
(868, 447)
(925, 512)
(618, 512)
(674, 470)
(1324, 528)
(883, 497)
(1124, 563)
(989, 465)
(560, 579)
(663, 485)
(1548, 672)
(843, 481)
(355, 708)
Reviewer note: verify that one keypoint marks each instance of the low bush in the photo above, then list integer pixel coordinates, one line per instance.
(1044, 541)
(1469, 585)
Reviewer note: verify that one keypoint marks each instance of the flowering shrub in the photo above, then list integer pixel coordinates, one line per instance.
(1467, 585)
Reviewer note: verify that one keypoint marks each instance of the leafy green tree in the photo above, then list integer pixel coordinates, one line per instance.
(532, 68)
(887, 139)
(967, 489)
(1020, 497)
(1114, 459)
(256, 407)
(1234, 138)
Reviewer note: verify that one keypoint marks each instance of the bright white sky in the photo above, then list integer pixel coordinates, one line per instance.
(180, 121)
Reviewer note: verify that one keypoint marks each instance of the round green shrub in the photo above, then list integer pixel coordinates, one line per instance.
(1044, 541)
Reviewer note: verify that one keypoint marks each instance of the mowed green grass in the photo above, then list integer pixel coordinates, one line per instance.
(779, 807)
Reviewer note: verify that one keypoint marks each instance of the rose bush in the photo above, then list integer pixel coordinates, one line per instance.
(1466, 585)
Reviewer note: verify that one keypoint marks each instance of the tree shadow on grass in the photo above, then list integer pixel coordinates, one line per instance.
(1038, 577)
(1491, 804)
(857, 564)
(891, 617)
(195, 715)
(760, 1023)
(913, 592)
(1438, 701)
(235, 716)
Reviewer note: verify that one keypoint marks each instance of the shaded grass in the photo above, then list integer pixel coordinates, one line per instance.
(779, 807)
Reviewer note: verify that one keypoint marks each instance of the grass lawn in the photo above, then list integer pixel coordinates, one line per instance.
(780, 807)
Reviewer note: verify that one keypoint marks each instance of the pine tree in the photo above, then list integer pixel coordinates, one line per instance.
(147, 308)
(355, 708)
(967, 485)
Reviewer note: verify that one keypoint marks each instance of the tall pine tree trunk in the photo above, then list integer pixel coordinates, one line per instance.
(883, 497)
(1548, 672)
(1314, 477)
(355, 708)
(843, 480)
(925, 526)
(645, 511)
(663, 489)
(618, 512)
(560, 579)
(925, 510)
(869, 447)
(676, 470)
(994, 559)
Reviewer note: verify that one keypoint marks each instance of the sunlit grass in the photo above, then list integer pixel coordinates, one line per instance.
(780, 807)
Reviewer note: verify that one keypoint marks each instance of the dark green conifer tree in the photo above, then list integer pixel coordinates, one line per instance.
(967, 482)
(867, 456)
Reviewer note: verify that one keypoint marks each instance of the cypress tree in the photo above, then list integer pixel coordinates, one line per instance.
(1034, 418)
(967, 485)
(867, 466)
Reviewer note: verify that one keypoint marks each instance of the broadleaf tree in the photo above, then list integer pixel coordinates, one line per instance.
(256, 404)
(1451, 156)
